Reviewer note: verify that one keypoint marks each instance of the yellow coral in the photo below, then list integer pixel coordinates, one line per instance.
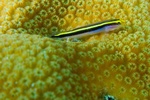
(37, 67)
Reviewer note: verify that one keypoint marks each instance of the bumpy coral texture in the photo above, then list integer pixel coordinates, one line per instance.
(36, 67)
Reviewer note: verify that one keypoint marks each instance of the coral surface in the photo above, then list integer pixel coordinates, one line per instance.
(36, 67)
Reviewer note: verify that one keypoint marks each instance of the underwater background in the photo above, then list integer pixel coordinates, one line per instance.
(109, 66)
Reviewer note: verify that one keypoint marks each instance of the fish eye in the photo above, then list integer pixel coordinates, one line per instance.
(119, 22)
